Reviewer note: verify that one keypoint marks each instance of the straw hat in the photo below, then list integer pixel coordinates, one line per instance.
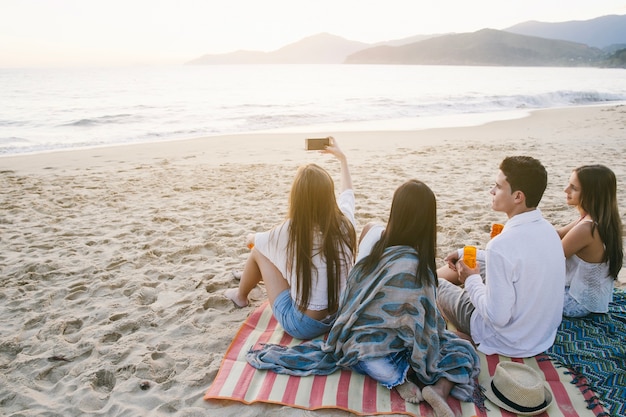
(519, 389)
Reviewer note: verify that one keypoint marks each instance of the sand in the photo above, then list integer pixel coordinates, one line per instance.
(113, 261)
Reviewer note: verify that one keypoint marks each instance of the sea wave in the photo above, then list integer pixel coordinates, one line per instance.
(104, 120)
(69, 110)
(562, 98)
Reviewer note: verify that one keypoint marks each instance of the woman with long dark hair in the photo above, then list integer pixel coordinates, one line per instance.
(592, 243)
(388, 325)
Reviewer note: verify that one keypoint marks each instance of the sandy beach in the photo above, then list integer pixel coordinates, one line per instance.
(113, 261)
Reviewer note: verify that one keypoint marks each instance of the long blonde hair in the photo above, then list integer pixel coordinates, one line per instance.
(313, 210)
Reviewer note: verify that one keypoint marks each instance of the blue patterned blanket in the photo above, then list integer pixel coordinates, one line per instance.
(594, 348)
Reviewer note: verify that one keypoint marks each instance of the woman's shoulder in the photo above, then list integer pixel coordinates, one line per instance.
(279, 230)
(581, 231)
(371, 227)
(589, 242)
(369, 236)
(585, 226)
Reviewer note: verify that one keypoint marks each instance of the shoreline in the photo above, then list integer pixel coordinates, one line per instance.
(117, 258)
(457, 120)
(273, 146)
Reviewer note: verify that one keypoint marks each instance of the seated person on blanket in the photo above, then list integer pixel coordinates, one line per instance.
(516, 310)
(592, 243)
(305, 260)
(388, 325)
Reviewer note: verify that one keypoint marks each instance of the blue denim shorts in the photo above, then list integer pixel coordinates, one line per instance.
(295, 322)
(572, 308)
(389, 370)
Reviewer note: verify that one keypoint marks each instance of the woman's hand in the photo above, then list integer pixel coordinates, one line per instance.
(334, 149)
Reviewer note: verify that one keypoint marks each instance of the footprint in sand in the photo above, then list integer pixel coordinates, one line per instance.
(9, 351)
(72, 326)
(217, 302)
(159, 367)
(147, 296)
(111, 338)
(34, 322)
(52, 375)
(76, 292)
(103, 381)
(71, 330)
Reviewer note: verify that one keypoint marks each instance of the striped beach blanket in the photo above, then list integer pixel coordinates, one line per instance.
(359, 394)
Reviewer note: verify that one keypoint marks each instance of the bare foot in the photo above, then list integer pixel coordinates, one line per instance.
(410, 392)
(233, 295)
(437, 402)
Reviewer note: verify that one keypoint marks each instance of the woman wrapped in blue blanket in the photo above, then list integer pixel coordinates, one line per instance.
(388, 325)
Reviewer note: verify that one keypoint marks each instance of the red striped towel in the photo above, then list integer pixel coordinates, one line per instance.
(356, 393)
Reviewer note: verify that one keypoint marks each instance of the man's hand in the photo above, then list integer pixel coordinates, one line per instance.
(465, 271)
(452, 259)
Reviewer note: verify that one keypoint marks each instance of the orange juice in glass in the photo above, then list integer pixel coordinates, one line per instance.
(496, 228)
(469, 256)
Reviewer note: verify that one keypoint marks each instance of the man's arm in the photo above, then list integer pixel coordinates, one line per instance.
(494, 300)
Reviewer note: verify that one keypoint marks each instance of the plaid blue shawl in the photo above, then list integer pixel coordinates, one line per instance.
(381, 313)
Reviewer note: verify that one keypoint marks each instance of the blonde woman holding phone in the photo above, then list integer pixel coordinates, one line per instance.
(305, 260)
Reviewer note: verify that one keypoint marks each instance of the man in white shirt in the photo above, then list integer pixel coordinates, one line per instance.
(518, 307)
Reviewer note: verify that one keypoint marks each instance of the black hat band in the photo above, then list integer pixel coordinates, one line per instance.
(515, 406)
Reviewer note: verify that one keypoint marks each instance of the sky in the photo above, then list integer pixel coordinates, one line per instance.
(45, 33)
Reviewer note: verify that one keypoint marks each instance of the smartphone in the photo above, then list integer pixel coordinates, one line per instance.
(316, 144)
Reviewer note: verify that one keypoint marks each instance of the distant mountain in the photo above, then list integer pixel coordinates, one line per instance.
(616, 60)
(404, 41)
(614, 48)
(323, 48)
(572, 43)
(484, 47)
(601, 32)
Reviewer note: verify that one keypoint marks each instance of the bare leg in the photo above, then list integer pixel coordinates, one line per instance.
(449, 274)
(274, 281)
(410, 392)
(248, 279)
(258, 268)
(437, 396)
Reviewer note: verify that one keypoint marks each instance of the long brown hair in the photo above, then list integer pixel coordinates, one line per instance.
(598, 198)
(313, 211)
(412, 222)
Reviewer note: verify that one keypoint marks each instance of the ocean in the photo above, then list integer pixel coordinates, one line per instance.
(52, 109)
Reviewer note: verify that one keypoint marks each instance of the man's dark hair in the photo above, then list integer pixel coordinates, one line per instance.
(526, 174)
